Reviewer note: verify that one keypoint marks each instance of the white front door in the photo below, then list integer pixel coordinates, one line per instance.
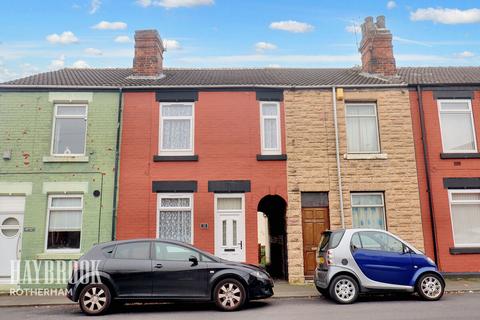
(11, 225)
(230, 226)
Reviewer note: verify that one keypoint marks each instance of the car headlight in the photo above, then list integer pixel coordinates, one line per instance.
(260, 275)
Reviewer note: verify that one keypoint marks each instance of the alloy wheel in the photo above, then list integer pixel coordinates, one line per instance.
(230, 295)
(345, 290)
(95, 299)
(431, 287)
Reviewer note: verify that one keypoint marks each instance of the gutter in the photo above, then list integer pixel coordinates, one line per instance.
(427, 172)
(337, 154)
(117, 161)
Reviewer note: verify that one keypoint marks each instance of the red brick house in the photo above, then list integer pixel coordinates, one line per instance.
(445, 107)
(199, 160)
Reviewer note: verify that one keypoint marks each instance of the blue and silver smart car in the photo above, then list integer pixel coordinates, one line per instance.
(355, 261)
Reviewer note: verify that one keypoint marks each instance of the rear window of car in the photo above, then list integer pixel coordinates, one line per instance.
(330, 240)
(133, 250)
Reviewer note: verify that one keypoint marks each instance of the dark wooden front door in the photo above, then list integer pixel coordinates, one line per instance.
(314, 221)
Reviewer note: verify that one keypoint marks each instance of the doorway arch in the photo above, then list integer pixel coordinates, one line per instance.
(274, 208)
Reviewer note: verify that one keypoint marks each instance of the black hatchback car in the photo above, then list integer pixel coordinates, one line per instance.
(161, 270)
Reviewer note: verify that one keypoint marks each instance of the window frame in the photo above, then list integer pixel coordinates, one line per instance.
(264, 150)
(49, 208)
(377, 126)
(470, 110)
(176, 152)
(369, 206)
(450, 202)
(55, 116)
(160, 196)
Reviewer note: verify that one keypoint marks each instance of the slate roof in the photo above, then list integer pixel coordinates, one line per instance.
(275, 77)
(245, 77)
(440, 75)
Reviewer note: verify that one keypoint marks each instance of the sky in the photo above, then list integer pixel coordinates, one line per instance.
(39, 36)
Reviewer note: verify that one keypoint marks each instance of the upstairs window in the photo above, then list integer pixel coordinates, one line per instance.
(176, 128)
(456, 125)
(362, 128)
(69, 130)
(270, 128)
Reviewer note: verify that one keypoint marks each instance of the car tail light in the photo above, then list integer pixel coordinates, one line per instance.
(329, 257)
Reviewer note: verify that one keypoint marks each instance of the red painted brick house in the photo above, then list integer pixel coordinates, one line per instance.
(199, 161)
(445, 107)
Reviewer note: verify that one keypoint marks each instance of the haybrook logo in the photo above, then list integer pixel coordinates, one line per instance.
(48, 272)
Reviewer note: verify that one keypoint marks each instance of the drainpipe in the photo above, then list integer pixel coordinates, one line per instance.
(427, 172)
(117, 160)
(337, 152)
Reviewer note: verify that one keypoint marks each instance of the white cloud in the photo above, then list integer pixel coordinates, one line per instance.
(106, 25)
(93, 52)
(446, 15)
(80, 64)
(391, 5)
(5, 73)
(274, 65)
(123, 39)
(409, 41)
(171, 44)
(271, 59)
(465, 54)
(67, 37)
(169, 4)
(291, 26)
(263, 46)
(353, 28)
(94, 6)
(57, 63)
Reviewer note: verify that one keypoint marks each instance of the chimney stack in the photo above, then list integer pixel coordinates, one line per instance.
(148, 61)
(376, 48)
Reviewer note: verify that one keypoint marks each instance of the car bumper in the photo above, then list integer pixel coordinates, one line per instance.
(71, 288)
(321, 278)
(260, 289)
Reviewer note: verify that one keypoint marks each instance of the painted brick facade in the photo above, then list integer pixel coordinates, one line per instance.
(226, 140)
(26, 120)
(312, 163)
(440, 169)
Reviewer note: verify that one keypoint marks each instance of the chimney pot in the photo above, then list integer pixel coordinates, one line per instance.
(376, 48)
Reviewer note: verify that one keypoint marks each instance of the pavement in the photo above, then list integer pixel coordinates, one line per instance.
(452, 306)
(282, 290)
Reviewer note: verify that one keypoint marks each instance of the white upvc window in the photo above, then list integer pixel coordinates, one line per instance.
(175, 216)
(362, 128)
(465, 215)
(64, 223)
(457, 126)
(69, 132)
(368, 210)
(176, 128)
(270, 128)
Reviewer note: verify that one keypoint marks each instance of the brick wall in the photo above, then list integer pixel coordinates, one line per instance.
(312, 163)
(439, 169)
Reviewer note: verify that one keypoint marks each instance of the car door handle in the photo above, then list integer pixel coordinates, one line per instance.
(158, 266)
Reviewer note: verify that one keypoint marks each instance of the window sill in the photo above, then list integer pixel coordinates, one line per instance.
(271, 157)
(158, 158)
(365, 156)
(464, 250)
(470, 155)
(58, 256)
(65, 159)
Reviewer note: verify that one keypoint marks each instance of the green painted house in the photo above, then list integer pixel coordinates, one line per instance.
(57, 177)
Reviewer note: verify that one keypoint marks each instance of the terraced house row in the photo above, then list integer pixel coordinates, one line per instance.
(249, 164)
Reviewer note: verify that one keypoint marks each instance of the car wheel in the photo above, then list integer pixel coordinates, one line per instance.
(95, 299)
(229, 295)
(323, 291)
(344, 289)
(430, 287)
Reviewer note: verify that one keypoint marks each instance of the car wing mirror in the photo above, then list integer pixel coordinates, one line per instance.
(193, 260)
